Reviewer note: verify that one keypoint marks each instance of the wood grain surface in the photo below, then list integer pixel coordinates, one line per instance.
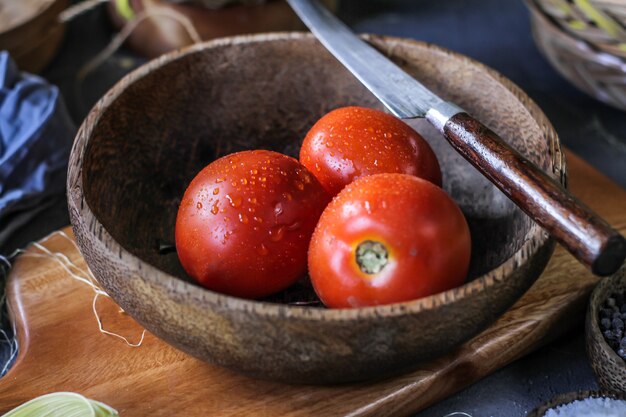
(61, 348)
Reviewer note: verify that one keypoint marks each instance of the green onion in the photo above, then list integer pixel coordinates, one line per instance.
(62, 404)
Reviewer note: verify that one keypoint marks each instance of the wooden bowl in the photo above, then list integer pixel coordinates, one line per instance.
(609, 368)
(31, 32)
(147, 137)
(569, 397)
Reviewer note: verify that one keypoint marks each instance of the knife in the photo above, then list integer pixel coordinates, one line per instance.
(582, 232)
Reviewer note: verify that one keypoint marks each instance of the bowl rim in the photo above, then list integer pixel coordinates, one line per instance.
(594, 335)
(535, 239)
(570, 397)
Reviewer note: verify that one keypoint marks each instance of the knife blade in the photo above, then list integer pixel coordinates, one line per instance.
(582, 232)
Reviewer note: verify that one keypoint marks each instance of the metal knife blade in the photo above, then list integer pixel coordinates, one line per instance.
(402, 94)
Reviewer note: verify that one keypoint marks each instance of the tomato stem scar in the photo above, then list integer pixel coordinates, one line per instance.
(371, 256)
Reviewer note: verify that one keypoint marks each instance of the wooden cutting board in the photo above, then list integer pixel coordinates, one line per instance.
(61, 348)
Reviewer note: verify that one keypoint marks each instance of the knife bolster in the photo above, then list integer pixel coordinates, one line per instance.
(439, 114)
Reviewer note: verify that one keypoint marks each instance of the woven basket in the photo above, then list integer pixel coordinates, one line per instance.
(600, 74)
(599, 22)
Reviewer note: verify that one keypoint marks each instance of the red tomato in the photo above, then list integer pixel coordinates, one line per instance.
(351, 142)
(245, 222)
(388, 238)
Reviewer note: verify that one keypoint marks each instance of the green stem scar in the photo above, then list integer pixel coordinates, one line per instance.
(371, 256)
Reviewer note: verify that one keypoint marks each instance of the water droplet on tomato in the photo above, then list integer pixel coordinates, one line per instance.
(278, 209)
(198, 205)
(294, 226)
(216, 191)
(243, 181)
(257, 219)
(243, 218)
(277, 233)
(262, 250)
(218, 180)
(214, 208)
(234, 200)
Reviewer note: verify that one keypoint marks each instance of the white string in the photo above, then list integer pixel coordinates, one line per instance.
(76, 10)
(117, 41)
(12, 342)
(85, 277)
(458, 413)
(128, 29)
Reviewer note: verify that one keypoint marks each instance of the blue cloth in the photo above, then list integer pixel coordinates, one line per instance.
(36, 135)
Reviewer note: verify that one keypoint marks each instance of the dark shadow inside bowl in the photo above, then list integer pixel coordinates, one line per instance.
(166, 126)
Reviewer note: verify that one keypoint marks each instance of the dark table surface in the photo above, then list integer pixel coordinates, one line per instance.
(495, 32)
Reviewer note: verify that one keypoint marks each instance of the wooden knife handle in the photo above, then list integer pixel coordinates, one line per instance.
(582, 232)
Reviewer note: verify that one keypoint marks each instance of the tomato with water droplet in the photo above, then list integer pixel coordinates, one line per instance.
(388, 238)
(226, 248)
(365, 142)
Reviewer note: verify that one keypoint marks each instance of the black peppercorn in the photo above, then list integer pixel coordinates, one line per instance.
(612, 317)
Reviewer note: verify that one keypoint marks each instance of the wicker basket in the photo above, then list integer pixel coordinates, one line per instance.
(600, 74)
(599, 22)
